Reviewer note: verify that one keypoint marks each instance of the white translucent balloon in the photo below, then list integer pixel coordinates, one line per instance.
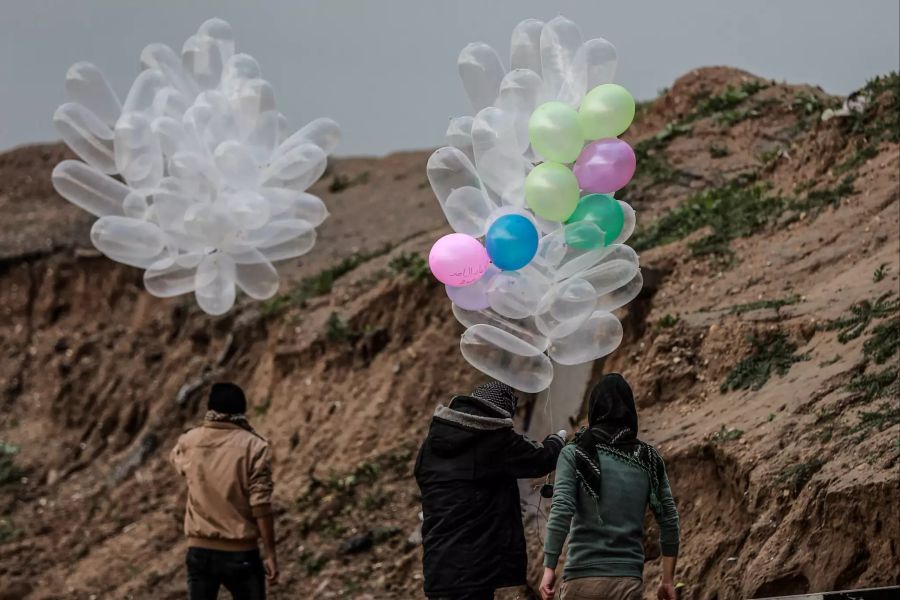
(86, 85)
(560, 41)
(516, 294)
(459, 135)
(87, 135)
(235, 162)
(525, 46)
(255, 275)
(297, 169)
(593, 64)
(168, 278)
(499, 160)
(506, 358)
(618, 267)
(214, 283)
(248, 208)
(203, 59)
(524, 329)
(285, 203)
(481, 71)
(89, 189)
(128, 239)
(598, 336)
(565, 308)
(137, 153)
(520, 94)
(628, 225)
(291, 248)
(564, 260)
(161, 58)
(449, 169)
(621, 296)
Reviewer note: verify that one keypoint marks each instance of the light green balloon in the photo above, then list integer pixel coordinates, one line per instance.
(554, 130)
(551, 191)
(606, 112)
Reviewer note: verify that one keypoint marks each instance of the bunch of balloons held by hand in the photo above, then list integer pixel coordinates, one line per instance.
(196, 178)
(533, 174)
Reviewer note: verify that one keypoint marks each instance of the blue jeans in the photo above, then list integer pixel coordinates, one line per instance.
(241, 573)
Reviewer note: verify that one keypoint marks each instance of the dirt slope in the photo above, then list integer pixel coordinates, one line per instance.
(760, 228)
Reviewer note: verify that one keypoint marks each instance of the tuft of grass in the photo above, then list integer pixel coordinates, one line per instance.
(797, 476)
(880, 273)
(667, 321)
(731, 98)
(337, 330)
(775, 304)
(884, 342)
(312, 562)
(726, 434)
(340, 182)
(886, 415)
(868, 387)
(878, 122)
(818, 200)
(319, 284)
(716, 151)
(861, 315)
(410, 264)
(771, 353)
(9, 471)
(731, 212)
(8, 530)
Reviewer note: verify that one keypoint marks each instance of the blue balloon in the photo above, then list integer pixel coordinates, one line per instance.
(512, 242)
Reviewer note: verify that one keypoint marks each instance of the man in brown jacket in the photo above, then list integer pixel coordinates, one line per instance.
(229, 477)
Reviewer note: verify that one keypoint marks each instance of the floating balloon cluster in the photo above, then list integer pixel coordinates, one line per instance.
(212, 188)
(533, 173)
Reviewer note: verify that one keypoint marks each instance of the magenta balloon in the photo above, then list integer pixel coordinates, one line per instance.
(458, 259)
(474, 296)
(605, 166)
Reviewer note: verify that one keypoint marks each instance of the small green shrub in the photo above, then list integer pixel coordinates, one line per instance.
(775, 304)
(861, 315)
(772, 353)
(9, 471)
(410, 264)
(880, 273)
(667, 321)
(797, 476)
(726, 434)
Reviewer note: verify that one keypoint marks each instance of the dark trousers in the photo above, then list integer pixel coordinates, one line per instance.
(479, 595)
(241, 573)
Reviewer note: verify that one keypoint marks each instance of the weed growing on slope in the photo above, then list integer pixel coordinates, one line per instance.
(716, 151)
(797, 476)
(410, 264)
(878, 122)
(667, 321)
(771, 353)
(726, 434)
(775, 304)
(729, 99)
(861, 315)
(340, 182)
(880, 273)
(9, 471)
(319, 284)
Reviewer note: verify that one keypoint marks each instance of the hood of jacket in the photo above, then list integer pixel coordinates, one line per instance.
(467, 418)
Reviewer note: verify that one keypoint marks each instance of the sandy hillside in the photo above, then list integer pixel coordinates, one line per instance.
(764, 351)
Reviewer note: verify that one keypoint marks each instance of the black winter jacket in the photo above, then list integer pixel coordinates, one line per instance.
(466, 470)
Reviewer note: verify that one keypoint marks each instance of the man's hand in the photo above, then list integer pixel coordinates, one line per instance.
(548, 583)
(271, 565)
(666, 591)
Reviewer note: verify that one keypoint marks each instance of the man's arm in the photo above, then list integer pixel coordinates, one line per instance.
(669, 538)
(525, 458)
(261, 507)
(266, 526)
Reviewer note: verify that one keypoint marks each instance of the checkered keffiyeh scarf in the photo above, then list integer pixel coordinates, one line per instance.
(498, 395)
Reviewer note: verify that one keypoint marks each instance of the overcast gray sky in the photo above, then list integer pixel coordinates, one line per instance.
(386, 70)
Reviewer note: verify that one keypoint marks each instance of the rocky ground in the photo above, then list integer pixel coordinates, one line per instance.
(764, 352)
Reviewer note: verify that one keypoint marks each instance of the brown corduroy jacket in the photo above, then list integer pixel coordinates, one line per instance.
(229, 477)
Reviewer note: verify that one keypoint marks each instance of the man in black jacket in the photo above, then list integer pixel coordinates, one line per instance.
(467, 468)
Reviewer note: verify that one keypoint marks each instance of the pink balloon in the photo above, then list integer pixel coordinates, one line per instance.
(605, 166)
(458, 259)
(473, 296)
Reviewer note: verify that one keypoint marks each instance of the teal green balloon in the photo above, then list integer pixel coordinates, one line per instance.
(606, 112)
(605, 212)
(554, 130)
(551, 191)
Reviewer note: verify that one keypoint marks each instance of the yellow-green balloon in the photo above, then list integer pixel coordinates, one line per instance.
(554, 130)
(551, 191)
(606, 112)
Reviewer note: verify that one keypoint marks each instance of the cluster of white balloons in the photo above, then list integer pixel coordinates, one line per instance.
(212, 187)
(557, 301)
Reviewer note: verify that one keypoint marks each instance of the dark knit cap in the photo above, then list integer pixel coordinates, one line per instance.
(499, 394)
(227, 398)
